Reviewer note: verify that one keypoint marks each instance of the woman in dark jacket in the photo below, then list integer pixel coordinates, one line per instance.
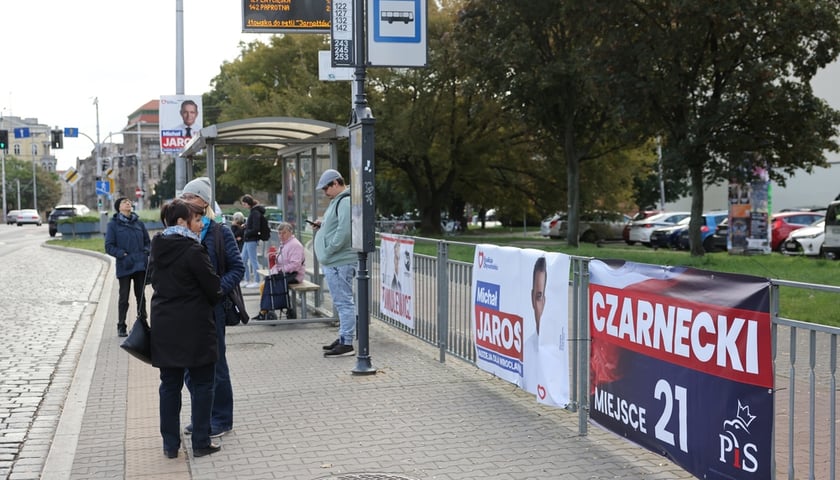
(183, 325)
(127, 240)
(219, 241)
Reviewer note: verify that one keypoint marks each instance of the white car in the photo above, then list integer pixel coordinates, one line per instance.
(550, 226)
(806, 241)
(28, 216)
(640, 230)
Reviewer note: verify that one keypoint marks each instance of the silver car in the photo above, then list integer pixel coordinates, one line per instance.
(593, 227)
(640, 230)
(11, 217)
(28, 216)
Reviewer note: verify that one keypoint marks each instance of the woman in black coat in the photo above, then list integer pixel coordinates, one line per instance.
(127, 240)
(186, 288)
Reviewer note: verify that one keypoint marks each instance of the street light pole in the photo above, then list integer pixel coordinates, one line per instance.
(34, 183)
(99, 201)
(139, 170)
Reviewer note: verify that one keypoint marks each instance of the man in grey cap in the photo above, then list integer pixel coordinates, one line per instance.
(337, 258)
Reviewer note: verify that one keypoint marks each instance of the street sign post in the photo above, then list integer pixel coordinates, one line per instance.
(103, 187)
(396, 33)
(72, 176)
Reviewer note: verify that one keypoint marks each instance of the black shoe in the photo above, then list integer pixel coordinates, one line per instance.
(171, 453)
(332, 345)
(212, 448)
(188, 429)
(121, 331)
(339, 351)
(290, 313)
(261, 316)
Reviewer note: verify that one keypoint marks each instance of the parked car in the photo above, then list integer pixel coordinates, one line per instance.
(593, 226)
(28, 216)
(707, 229)
(625, 233)
(806, 241)
(64, 211)
(831, 242)
(550, 227)
(783, 223)
(719, 238)
(666, 237)
(640, 230)
(11, 217)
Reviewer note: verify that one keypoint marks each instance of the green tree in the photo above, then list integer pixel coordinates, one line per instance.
(538, 57)
(274, 79)
(724, 82)
(441, 138)
(20, 172)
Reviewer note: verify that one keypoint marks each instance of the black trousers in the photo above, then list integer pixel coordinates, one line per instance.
(139, 279)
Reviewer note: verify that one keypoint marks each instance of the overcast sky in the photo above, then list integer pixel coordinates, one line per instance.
(59, 55)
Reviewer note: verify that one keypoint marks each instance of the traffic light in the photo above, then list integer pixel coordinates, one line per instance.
(57, 139)
(4, 139)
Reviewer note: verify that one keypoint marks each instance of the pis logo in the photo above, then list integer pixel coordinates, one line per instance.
(735, 448)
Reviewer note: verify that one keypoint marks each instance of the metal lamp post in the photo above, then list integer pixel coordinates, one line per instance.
(34, 182)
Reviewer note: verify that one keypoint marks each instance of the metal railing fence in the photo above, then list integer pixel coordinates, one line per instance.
(442, 295)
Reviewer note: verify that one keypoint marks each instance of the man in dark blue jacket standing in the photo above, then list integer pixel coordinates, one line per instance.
(127, 240)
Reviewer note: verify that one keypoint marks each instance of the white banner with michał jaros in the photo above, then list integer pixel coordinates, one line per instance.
(520, 320)
(180, 119)
(396, 260)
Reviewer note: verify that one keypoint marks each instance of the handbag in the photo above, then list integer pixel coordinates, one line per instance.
(233, 303)
(138, 343)
(234, 307)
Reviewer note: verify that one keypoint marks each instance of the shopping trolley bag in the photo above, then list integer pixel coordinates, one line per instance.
(275, 295)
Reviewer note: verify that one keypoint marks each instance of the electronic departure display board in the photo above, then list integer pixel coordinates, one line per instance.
(286, 16)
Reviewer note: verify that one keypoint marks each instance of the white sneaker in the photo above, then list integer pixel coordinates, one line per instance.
(253, 285)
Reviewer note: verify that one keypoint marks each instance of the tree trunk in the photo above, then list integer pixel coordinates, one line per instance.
(696, 222)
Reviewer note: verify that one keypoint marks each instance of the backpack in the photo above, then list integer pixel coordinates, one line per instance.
(265, 230)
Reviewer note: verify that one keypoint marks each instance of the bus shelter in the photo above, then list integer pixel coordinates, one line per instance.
(304, 148)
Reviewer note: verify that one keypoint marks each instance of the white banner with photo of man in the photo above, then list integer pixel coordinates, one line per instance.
(396, 260)
(180, 119)
(521, 318)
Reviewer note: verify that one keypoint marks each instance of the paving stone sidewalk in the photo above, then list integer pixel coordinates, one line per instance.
(299, 415)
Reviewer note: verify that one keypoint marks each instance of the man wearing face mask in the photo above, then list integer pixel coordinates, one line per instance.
(198, 191)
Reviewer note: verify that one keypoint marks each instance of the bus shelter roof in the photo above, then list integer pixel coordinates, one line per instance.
(287, 135)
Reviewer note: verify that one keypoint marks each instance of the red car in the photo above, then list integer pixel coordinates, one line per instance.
(781, 224)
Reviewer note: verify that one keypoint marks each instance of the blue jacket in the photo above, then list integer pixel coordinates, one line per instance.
(234, 268)
(127, 240)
